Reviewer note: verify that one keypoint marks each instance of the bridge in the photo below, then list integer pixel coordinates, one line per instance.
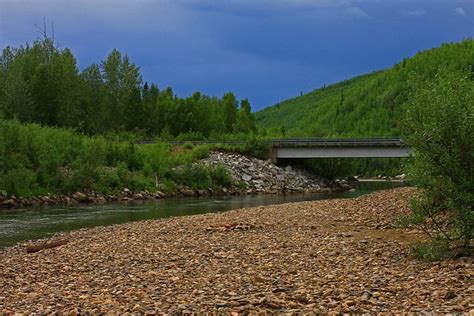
(339, 148)
(300, 148)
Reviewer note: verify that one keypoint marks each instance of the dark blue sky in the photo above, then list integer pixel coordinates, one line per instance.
(266, 50)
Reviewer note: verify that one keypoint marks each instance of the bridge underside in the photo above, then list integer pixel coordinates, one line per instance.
(341, 152)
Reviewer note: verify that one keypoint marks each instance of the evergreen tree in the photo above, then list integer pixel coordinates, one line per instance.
(229, 108)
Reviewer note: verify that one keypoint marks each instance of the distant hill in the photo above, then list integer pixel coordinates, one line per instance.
(368, 105)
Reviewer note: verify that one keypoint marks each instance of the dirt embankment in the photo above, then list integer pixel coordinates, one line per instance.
(332, 255)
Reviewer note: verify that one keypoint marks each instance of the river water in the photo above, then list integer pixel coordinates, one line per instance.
(35, 223)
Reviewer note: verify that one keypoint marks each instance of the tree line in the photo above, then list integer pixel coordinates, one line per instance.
(41, 83)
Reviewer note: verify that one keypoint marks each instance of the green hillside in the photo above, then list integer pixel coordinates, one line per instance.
(368, 105)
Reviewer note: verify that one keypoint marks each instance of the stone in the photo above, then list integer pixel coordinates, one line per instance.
(9, 203)
(138, 196)
(349, 303)
(100, 200)
(246, 177)
(160, 194)
(450, 295)
(187, 192)
(80, 197)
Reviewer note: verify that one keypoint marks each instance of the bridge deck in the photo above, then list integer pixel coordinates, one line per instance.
(377, 147)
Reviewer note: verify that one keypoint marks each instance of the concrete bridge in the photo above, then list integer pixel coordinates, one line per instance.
(301, 148)
(339, 148)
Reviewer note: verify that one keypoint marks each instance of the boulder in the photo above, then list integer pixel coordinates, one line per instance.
(80, 197)
(9, 203)
(187, 192)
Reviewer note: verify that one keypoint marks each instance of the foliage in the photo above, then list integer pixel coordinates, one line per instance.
(202, 177)
(251, 146)
(441, 134)
(438, 249)
(37, 160)
(371, 105)
(41, 83)
(342, 167)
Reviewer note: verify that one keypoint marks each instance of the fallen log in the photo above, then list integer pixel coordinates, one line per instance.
(45, 245)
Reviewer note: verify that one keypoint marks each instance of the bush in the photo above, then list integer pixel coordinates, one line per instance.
(37, 160)
(436, 250)
(202, 177)
(221, 177)
(441, 135)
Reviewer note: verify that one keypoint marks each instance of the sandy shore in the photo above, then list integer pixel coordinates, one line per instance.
(332, 255)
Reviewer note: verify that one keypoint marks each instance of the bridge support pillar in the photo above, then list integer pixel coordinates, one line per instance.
(272, 155)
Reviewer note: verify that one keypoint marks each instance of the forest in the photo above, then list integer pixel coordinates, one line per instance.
(370, 105)
(40, 83)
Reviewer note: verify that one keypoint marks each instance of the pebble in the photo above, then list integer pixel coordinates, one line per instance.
(300, 258)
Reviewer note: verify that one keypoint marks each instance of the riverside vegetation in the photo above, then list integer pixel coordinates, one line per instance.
(63, 130)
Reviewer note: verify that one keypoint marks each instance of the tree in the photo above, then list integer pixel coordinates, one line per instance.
(123, 81)
(245, 121)
(94, 115)
(229, 108)
(441, 135)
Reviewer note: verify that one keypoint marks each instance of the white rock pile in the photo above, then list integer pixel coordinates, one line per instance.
(265, 177)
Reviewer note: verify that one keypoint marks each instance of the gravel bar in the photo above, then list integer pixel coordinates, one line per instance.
(341, 255)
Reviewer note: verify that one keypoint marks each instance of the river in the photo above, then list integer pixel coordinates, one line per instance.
(34, 223)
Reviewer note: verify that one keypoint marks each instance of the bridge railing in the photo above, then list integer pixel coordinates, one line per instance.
(338, 142)
(308, 142)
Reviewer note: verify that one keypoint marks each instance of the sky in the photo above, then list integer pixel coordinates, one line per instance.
(263, 50)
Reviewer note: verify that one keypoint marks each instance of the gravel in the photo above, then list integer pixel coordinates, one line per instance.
(322, 256)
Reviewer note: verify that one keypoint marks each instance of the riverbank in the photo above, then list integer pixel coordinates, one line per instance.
(331, 255)
(248, 175)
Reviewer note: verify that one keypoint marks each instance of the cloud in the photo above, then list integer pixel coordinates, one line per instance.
(328, 8)
(356, 12)
(460, 11)
(266, 3)
(418, 12)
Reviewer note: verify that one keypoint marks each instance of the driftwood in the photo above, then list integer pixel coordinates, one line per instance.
(45, 245)
(231, 226)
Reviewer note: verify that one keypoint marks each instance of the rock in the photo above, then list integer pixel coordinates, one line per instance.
(264, 177)
(160, 194)
(449, 295)
(187, 192)
(80, 197)
(100, 200)
(349, 303)
(401, 177)
(366, 296)
(9, 203)
(246, 177)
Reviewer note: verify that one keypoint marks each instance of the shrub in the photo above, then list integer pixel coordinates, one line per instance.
(36, 160)
(221, 177)
(441, 135)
